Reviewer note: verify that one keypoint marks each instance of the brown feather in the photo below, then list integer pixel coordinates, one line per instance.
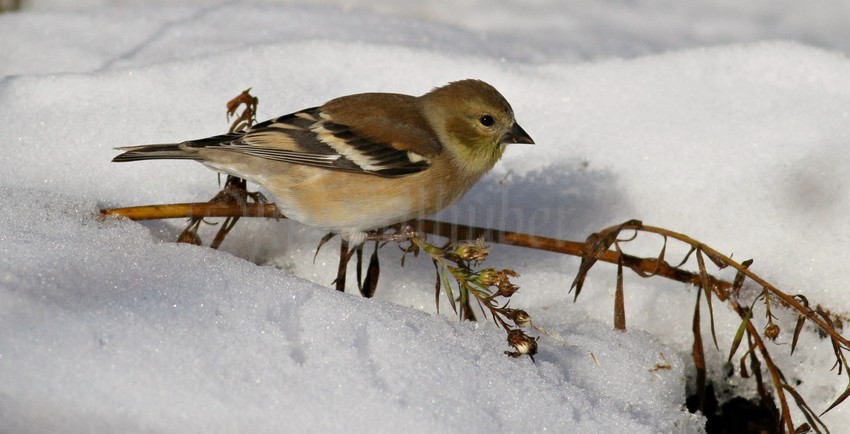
(387, 118)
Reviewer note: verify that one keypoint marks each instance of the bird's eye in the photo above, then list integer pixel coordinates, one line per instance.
(487, 120)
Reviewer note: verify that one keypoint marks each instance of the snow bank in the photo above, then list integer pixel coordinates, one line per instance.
(107, 329)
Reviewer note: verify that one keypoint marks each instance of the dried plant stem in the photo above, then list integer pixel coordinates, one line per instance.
(235, 188)
(644, 266)
(195, 210)
(771, 367)
(723, 294)
(223, 231)
(451, 231)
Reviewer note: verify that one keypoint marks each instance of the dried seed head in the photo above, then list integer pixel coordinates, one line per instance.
(472, 251)
(500, 279)
(520, 317)
(490, 277)
(506, 289)
(523, 344)
(771, 331)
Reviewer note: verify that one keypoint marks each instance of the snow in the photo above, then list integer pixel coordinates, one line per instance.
(693, 118)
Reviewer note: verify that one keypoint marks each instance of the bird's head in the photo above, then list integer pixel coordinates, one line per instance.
(473, 121)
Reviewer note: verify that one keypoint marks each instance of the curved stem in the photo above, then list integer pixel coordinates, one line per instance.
(789, 300)
(771, 367)
(454, 231)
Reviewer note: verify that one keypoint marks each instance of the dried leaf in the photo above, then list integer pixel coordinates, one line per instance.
(594, 247)
(619, 302)
(190, 235)
(744, 372)
(811, 417)
(699, 357)
(718, 261)
(626, 240)
(740, 277)
(322, 242)
(447, 287)
(465, 309)
(370, 283)
(803, 300)
(248, 116)
(801, 320)
(437, 284)
(739, 335)
(663, 250)
(687, 256)
(804, 428)
(664, 365)
(467, 313)
(703, 275)
(578, 282)
(836, 346)
(838, 400)
(658, 262)
(631, 224)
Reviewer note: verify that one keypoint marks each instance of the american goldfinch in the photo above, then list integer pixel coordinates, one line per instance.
(365, 161)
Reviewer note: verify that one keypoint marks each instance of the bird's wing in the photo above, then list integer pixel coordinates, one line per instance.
(379, 134)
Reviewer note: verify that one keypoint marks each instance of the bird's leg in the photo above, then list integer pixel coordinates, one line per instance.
(344, 256)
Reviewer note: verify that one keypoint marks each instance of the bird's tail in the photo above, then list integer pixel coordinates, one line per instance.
(170, 151)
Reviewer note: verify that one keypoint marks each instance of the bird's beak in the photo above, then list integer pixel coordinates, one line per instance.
(517, 135)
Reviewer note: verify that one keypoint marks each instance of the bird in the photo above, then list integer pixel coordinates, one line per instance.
(362, 162)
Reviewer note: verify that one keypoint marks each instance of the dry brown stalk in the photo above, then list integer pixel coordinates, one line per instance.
(235, 189)
(771, 367)
(194, 210)
(723, 293)
(645, 266)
